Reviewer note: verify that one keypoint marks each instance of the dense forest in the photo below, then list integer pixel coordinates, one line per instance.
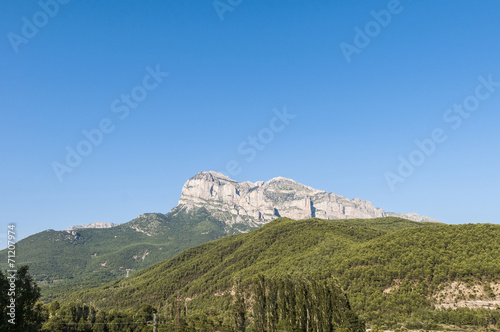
(308, 275)
(273, 304)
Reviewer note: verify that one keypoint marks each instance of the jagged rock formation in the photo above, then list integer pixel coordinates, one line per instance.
(254, 204)
(93, 225)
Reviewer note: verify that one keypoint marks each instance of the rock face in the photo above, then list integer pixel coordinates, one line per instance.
(93, 225)
(254, 204)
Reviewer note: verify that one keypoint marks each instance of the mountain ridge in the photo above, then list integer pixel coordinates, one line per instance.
(255, 204)
(93, 225)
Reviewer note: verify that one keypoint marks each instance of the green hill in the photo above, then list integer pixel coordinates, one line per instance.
(395, 272)
(62, 261)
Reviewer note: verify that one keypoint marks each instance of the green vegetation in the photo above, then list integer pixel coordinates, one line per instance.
(415, 265)
(18, 295)
(277, 304)
(390, 273)
(62, 261)
(393, 270)
(296, 304)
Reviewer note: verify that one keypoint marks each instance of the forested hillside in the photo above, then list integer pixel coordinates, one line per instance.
(396, 273)
(62, 261)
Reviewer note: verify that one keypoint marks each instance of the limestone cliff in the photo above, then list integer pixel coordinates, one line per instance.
(257, 203)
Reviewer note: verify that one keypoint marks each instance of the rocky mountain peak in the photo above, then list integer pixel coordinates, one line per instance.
(281, 179)
(93, 225)
(211, 176)
(254, 204)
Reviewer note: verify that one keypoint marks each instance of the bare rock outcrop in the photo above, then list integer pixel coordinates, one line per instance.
(93, 225)
(258, 203)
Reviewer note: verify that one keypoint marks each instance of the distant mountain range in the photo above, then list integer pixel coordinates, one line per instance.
(211, 206)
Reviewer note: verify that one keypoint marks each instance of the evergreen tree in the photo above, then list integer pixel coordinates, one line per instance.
(25, 294)
(317, 306)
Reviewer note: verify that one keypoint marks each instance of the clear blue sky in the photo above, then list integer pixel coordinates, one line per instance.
(353, 120)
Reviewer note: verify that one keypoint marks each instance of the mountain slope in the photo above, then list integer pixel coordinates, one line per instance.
(393, 270)
(66, 260)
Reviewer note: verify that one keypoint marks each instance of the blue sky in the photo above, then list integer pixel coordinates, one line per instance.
(353, 120)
